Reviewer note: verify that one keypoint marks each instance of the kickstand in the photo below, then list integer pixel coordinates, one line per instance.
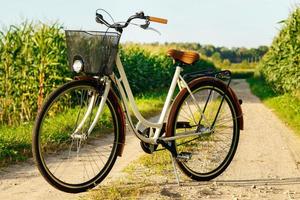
(175, 169)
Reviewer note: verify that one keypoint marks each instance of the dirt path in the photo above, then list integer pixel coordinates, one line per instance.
(266, 165)
(23, 181)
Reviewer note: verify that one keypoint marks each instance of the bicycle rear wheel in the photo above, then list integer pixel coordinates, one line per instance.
(205, 156)
(74, 161)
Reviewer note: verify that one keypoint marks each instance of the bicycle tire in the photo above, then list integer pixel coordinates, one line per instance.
(48, 153)
(194, 153)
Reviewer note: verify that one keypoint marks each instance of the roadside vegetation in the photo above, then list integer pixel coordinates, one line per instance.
(33, 62)
(281, 64)
(15, 141)
(286, 105)
(277, 79)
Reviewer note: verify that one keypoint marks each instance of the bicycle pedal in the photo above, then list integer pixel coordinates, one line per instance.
(184, 156)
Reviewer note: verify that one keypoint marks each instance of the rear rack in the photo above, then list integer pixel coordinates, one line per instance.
(224, 75)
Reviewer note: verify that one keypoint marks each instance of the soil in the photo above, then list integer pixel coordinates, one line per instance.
(266, 165)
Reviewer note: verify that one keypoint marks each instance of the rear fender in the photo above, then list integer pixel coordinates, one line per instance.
(238, 107)
(221, 84)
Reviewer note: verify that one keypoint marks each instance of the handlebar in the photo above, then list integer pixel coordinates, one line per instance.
(158, 20)
(140, 15)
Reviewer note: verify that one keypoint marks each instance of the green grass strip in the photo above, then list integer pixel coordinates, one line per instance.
(286, 106)
(15, 141)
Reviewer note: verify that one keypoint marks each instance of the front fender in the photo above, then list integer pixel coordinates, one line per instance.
(122, 118)
(120, 114)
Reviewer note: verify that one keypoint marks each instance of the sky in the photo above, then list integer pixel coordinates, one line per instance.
(230, 23)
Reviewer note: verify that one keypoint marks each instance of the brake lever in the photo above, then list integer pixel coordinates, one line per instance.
(153, 29)
(146, 25)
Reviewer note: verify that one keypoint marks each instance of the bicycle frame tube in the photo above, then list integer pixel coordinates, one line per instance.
(126, 93)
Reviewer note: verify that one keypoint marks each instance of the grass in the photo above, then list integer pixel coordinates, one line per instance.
(242, 73)
(286, 106)
(151, 103)
(159, 163)
(119, 190)
(155, 169)
(15, 141)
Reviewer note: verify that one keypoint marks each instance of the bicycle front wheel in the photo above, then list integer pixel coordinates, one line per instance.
(70, 158)
(208, 115)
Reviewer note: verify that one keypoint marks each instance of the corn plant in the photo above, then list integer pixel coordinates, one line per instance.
(281, 65)
(32, 63)
(147, 70)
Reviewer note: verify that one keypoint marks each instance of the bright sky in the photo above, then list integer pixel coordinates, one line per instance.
(248, 23)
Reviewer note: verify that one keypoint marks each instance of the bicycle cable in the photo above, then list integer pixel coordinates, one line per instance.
(106, 13)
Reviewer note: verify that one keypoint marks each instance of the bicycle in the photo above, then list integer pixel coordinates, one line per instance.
(80, 129)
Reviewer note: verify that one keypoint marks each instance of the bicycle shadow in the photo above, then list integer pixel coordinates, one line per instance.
(246, 182)
(232, 182)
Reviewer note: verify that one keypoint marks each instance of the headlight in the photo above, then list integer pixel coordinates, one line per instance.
(77, 66)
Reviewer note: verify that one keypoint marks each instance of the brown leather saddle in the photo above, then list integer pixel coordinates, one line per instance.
(185, 57)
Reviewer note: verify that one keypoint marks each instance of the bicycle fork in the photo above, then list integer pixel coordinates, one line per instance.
(76, 134)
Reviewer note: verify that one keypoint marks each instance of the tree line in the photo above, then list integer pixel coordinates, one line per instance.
(231, 55)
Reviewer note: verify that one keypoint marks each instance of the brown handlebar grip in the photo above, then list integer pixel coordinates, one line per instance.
(158, 20)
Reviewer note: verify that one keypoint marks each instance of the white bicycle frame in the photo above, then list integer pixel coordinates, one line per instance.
(127, 96)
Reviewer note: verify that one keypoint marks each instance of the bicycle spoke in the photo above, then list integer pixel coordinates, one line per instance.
(75, 157)
(208, 151)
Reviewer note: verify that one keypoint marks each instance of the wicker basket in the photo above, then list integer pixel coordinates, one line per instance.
(96, 50)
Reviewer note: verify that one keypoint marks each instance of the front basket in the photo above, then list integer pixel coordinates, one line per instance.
(96, 50)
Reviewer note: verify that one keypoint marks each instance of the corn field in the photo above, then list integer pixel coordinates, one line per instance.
(149, 68)
(281, 64)
(32, 63)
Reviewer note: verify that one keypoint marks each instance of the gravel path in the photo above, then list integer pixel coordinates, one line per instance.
(23, 181)
(266, 165)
